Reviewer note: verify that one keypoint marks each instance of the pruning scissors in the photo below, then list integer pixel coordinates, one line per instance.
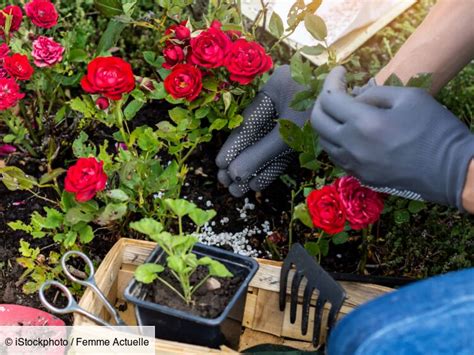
(72, 306)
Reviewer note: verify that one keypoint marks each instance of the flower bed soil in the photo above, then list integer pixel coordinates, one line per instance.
(206, 303)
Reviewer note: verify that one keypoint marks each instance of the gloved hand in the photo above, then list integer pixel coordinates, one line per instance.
(396, 137)
(254, 154)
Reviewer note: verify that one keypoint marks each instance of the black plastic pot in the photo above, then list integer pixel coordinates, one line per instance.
(183, 327)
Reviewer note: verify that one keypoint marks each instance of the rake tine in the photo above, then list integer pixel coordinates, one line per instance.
(283, 281)
(318, 312)
(295, 285)
(308, 291)
(335, 308)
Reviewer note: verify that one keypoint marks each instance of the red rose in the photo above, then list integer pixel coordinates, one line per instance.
(181, 32)
(363, 205)
(210, 48)
(85, 179)
(185, 81)
(326, 209)
(42, 13)
(9, 93)
(16, 19)
(173, 55)
(18, 66)
(246, 60)
(108, 76)
(4, 51)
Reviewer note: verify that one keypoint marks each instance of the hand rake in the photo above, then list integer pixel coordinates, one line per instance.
(317, 279)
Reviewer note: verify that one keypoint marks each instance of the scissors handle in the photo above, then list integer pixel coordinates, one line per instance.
(71, 307)
(89, 282)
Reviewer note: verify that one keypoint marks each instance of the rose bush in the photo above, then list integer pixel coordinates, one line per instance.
(85, 178)
(109, 76)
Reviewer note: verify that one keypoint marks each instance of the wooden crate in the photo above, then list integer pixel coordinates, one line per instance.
(263, 322)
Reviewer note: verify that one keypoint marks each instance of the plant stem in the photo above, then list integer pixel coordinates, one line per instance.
(172, 288)
(196, 287)
(364, 250)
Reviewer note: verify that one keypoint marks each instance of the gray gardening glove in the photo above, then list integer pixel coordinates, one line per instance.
(396, 137)
(254, 155)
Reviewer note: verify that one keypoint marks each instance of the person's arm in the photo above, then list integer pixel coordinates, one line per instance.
(442, 45)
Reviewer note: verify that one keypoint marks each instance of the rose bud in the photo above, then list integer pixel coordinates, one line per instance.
(102, 103)
(119, 146)
(173, 55)
(6, 149)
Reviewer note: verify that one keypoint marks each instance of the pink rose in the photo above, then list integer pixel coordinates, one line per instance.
(363, 205)
(46, 52)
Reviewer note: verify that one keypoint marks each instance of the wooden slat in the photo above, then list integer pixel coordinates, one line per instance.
(268, 316)
(251, 338)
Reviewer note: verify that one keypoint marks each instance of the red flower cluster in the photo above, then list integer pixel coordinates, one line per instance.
(345, 199)
(85, 179)
(17, 66)
(211, 48)
(109, 76)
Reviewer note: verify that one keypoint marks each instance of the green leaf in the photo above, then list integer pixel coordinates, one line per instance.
(21, 226)
(227, 97)
(312, 248)
(276, 25)
(152, 59)
(191, 260)
(201, 217)
(340, 238)
(180, 207)
(84, 106)
(393, 80)
(147, 140)
(301, 70)
(308, 161)
(111, 212)
(218, 124)
(303, 100)
(77, 55)
(401, 216)
(50, 176)
(132, 109)
(15, 179)
(421, 81)
(235, 121)
(110, 36)
(315, 26)
(178, 114)
(109, 8)
(291, 134)
(416, 206)
(324, 246)
(176, 263)
(313, 50)
(147, 273)
(54, 218)
(147, 226)
(218, 269)
(118, 195)
(79, 147)
(75, 215)
(70, 239)
(201, 112)
(86, 234)
(301, 213)
(294, 15)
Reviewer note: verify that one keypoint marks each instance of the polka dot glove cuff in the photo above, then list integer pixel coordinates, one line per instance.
(254, 155)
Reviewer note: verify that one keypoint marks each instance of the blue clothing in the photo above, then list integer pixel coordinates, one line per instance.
(433, 316)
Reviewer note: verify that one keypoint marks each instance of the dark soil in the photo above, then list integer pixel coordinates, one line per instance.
(206, 303)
